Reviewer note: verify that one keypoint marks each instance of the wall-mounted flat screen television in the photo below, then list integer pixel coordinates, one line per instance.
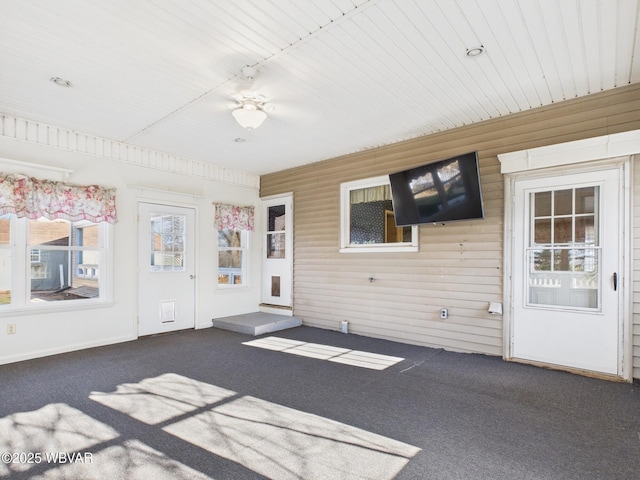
(439, 192)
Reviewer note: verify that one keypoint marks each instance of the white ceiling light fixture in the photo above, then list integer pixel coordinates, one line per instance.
(250, 114)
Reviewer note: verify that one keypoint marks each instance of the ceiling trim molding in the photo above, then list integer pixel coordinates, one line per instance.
(55, 137)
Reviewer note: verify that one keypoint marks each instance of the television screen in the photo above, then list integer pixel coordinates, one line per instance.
(439, 192)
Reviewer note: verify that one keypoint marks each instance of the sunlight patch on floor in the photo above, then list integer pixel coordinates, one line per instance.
(270, 439)
(59, 442)
(280, 442)
(346, 356)
(158, 399)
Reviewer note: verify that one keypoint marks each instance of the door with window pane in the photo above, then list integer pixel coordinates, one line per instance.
(277, 284)
(166, 277)
(566, 271)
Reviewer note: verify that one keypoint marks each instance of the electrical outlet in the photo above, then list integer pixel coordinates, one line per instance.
(444, 313)
(11, 329)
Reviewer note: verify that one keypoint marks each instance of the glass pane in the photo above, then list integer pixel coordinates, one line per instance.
(576, 289)
(277, 218)
(276, 245)
(562, 230)
(230, 267)
(585, 200)
(371, 217)
(229, 238)
(562, 202)
(87, 236)
(540, 260)
(5, 276)
(542, 231)
(542, 202)
(585, 230)
(58, 275)
(561, 260)
(5, 230)
(230, 279)
(49, 232)
(584, 260)
(167, 243)
(230, 259)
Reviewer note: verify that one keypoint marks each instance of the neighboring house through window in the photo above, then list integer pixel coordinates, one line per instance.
(58, 260)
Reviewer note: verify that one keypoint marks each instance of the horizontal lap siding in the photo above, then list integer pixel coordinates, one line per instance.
(459, 266)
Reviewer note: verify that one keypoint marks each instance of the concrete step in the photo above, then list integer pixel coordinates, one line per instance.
(257, 323)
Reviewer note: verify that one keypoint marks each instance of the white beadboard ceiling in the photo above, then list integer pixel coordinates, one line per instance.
(341, 75)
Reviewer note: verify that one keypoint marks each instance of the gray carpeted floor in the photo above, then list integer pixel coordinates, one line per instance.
(201, 404)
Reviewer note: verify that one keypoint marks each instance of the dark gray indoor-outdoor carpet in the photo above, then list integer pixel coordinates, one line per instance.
(202, 404)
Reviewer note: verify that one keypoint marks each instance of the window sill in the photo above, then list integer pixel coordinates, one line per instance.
(379, 249)
(48, 309)
(231, 288)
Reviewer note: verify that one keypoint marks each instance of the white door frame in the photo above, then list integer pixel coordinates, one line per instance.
(171, 199)
(266, 202)
(585, 336)
(584, 155)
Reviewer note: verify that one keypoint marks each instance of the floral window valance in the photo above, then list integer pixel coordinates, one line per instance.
(233, 217)
(32, 198)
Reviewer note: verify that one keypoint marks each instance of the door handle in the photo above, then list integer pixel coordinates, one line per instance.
(615, 281)
(192, 277)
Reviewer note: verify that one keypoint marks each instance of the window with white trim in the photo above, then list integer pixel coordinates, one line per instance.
(232, 254)
(367, 222)
(47, 261)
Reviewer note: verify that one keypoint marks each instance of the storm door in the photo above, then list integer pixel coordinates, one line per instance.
(567, 271)
(277, 283)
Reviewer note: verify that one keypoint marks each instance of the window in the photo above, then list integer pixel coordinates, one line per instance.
(6, 256)
(46, 261)
(232, 248)
(276, 235)
(564, 253)
(167, 243)
(367, 220)
(233, 224)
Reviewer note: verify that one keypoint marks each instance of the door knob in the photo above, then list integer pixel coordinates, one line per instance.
(192, 276)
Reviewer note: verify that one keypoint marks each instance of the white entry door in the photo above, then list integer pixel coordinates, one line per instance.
(277, 282)
(566, 274)
(166, 276)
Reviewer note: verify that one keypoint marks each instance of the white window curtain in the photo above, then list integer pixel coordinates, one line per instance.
(233, 217)
(33, 198)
